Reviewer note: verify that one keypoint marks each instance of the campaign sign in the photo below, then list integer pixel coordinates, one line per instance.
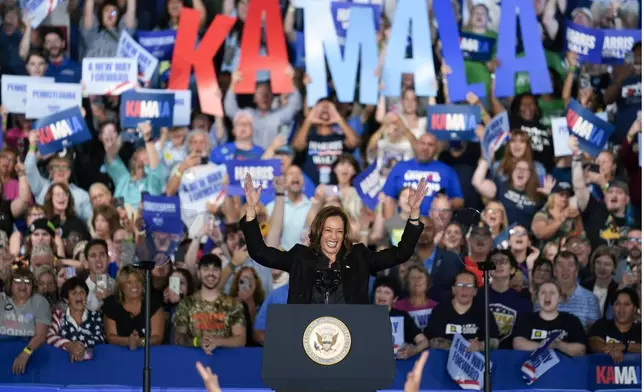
(540, 360)
(560, 137)
(61, 130)
(138, 107)
(397, 332)
(200, 185)
(592, 131)
(45, 99)
(129, 48)
(108, 76)
(162, 214)
(453, 122)
(477, 47)
(465, 368)
(605, 374)
(341, 12)
(14, 91)
(497, 133)
(584, 41)
(368, 185)
(182, 105)
(158, 43)
(38, 10)
(263, 173)
(617, 43)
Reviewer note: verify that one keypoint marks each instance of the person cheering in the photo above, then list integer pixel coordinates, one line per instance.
(331, 270)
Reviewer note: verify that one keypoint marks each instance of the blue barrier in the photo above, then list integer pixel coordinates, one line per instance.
(174, 367)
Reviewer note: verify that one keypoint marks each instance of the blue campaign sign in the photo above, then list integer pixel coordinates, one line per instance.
(477, 47)
(159, 43)
(137, 107)
(617, 43)
(368, 185)
(591, 131)
(162, 214)
(263, 173)
(540, 360)
(605, 374)
(61, 130)
(453, 122)
(586, 42)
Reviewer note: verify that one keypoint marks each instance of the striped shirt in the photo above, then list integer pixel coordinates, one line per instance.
(64, 329)
(583, 304)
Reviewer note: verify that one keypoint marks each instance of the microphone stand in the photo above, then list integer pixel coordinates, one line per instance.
(486, 267)
(147, 267)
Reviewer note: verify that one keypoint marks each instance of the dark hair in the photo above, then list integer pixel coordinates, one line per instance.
(210, 259)
(111, 216)
(344, 158)
(387, 281)
(19, 273)
(190, 282)
(92, 242)
(55, 31)
(635, 299)
(35, 52)
(108, 3)
(515, 115)
(317, 226)
(507, 253)
(636, 46)
(568, 255)
(70, 285)
(541, 261)
(465, 272)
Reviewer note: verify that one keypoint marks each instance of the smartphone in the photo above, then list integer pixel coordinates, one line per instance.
(242, 242)
(127, 255)
(593, 167)
(244, 284)
(331, 190)
(175, 284)
(205, 160)
(101, 282)
(70, 272)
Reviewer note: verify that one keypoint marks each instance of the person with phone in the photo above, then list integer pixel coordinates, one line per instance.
(326, 272)
(100, 285)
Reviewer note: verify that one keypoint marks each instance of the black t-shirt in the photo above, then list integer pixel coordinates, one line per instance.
(126, 323)
(322, 152)
(519, 208)
(532, 327)
(600, 226)
(608, 332)
(402, 321)
(540, 141)
(6, 218)
(445, 322)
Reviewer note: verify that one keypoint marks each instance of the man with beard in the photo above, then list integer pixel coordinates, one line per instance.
(407, 174)
(60, 67)
(209, 318)
(632, 246)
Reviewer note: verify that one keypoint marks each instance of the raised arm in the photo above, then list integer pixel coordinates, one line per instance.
(88, 15)
(20, 203)
(276, 221)
(36, 182)
(130, 15)
(483, 186)
(257, 249)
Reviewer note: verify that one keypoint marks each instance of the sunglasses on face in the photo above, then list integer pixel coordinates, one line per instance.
(519, 233)
(464, 285)
(22, 280)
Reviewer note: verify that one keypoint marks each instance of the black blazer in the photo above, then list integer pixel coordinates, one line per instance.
(356, 266)
(589, 283)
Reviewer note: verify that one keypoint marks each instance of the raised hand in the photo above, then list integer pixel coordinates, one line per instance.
(413, 378)
(252, 194)
(417, 195)
(548, 185)
(210, 380)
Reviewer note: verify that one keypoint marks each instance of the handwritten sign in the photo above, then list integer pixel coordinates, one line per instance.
(38, 10)
(158, 43)
(108, 76)
(138, 107)
(14, 91)
(540, 360)
(584, 41)
(453, 122)
(368, 184)
(465, 368)
(182, 105)
(263, 173)
(560, 137)
(591, 131)
(200, 185)
(61, 130)
(45, 99)
(129, 48)
(497, 133)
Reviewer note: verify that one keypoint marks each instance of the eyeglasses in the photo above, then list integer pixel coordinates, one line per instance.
(501, 261)
(464, 285)
(61, 168)
(634, 240)
(22, 280)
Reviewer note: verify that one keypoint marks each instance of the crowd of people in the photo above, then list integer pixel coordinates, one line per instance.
(563, 232)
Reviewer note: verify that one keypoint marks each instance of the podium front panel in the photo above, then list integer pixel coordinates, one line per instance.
(326, 365)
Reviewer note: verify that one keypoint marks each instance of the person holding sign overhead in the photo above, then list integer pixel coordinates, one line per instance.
(331, 270)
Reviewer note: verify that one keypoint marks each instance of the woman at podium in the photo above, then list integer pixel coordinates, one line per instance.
(332, 270)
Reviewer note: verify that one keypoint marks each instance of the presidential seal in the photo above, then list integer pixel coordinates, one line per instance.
(327, 341)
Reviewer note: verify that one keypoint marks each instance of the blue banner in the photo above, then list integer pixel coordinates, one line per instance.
(263, 173)
(159, 43)
(605, 374)
(592, 131)
(162, 214)
(465, 368)
(453, 122)
(540, 360)
(617, 43)
(61, 130)
(137, 107)
(477, 47)
(586, 42)
(368, 185)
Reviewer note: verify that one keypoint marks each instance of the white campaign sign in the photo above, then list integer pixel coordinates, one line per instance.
(560, 137)
(129, 48)
(182, 105)
(45, 99)
(14, 91)
(200, 185)
(38, 10)
(108, 76)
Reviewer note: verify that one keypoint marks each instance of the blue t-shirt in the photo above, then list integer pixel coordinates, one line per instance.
(229, 152)
(519, 208)
(505, 307)
(629, 103)
(68, 71)
(440, 177)
(278, 296)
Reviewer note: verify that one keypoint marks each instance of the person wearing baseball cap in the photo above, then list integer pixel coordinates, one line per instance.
(559, 217)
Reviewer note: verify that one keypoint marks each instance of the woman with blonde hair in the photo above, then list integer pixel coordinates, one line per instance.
(558, 218)
(495, 217)
(123, 312)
